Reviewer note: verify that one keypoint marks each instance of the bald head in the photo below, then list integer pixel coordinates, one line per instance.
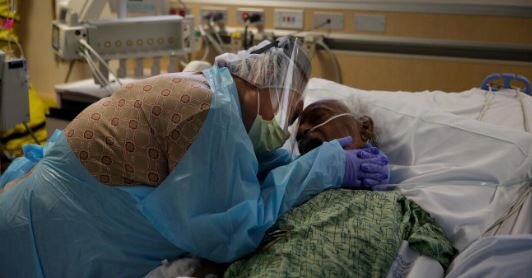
(360, 128)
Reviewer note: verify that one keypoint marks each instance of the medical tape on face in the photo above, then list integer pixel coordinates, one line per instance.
(334, 117)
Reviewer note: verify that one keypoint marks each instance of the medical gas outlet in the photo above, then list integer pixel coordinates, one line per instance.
(288, 19)
(215, 15)
(250, 16)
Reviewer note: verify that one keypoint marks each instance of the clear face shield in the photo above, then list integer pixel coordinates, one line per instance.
(280, 68)
(289, 95)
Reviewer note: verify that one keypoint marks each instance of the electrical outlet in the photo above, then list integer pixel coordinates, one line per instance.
(288, 18)
(336, 20)
(218, 15)
(255, 15)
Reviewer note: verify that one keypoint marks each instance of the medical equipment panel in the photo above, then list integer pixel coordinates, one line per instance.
(14, 103)
(126, 38)
(78, 27)
(140, 37)
(65, 40)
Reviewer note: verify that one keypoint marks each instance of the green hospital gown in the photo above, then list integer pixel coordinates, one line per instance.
(345, 233)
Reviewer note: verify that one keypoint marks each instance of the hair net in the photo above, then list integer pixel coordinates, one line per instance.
(281, 66)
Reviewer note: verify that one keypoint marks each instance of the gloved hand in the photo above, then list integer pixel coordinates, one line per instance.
(364, 168)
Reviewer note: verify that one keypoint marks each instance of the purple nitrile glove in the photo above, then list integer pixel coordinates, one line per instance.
(364, 168)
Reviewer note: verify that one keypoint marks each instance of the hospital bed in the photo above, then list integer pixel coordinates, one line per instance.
(465, 158)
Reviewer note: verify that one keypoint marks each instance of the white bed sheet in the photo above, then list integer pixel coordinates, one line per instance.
(493, 257)
(466, 173)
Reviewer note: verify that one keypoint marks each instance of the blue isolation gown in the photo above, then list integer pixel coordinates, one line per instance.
(61, 222)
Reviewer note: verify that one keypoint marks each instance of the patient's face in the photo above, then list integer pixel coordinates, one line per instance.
(320, 112)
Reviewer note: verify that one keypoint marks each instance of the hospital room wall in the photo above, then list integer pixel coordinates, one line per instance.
(411, 73)
(362, 70)
(414, 73)
(35, 36)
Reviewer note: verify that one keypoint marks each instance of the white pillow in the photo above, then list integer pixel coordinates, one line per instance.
(434, 146)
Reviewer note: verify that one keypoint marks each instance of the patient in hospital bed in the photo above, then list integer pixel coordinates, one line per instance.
(342, 233)
(355, 234)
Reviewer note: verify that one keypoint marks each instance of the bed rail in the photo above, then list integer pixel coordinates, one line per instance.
(507, 79)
